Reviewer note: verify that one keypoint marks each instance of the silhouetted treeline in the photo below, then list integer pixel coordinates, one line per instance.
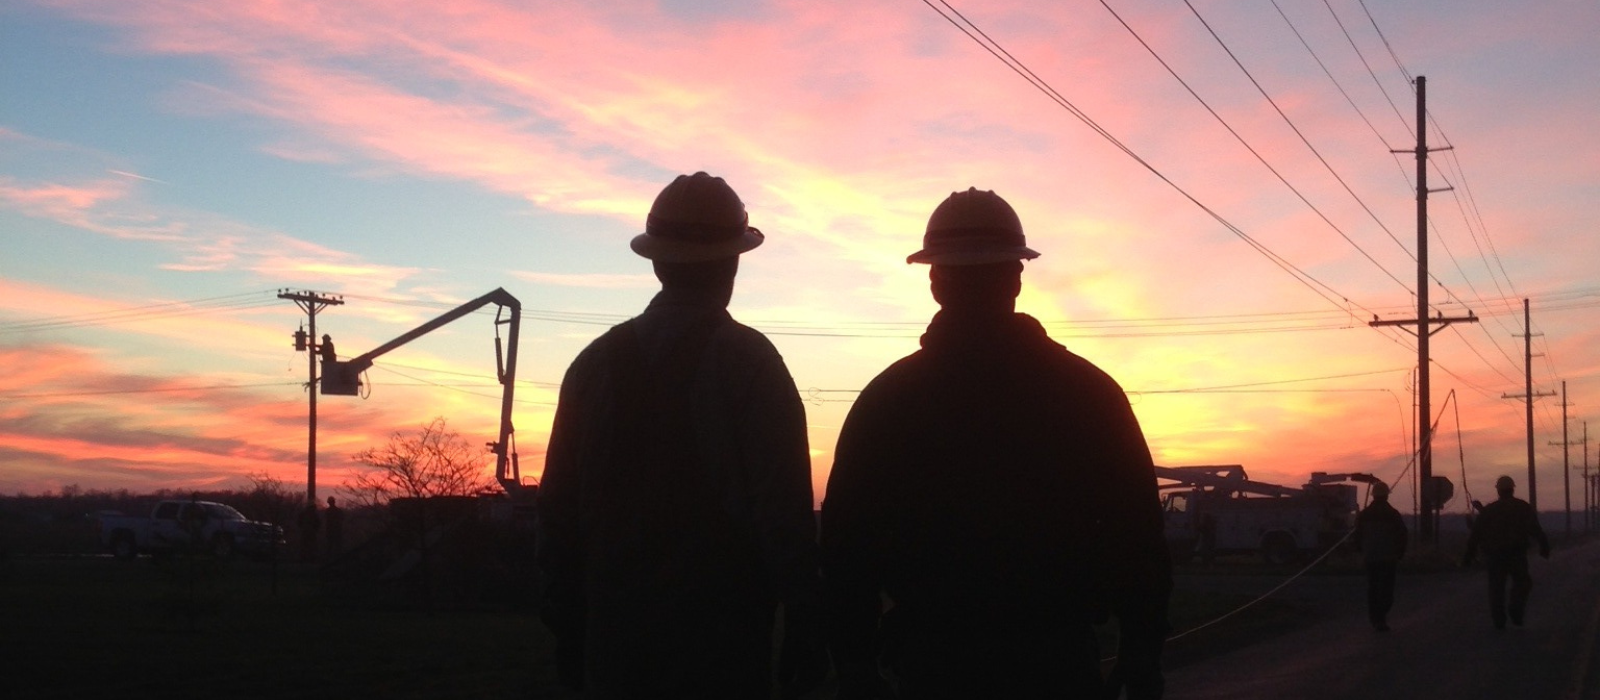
(462, 552)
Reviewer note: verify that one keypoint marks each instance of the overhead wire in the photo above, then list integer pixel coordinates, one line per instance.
(1406, 178)
(1452, 159)
(978, 36)
(146, 390)
(147, 312)
(1365, 64)
(1305, 140)
(1248, 147)
(1340, 86)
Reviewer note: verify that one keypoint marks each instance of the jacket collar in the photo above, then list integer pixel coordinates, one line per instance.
(970, 331)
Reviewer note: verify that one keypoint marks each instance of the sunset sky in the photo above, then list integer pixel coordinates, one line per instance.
(167, 166)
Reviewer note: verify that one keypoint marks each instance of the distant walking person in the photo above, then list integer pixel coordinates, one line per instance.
(1382, 536)
(333, 523)
(1502, 531)
(997, 490)
(675, 510)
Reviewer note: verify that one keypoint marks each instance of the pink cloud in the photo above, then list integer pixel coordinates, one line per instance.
(90, 206)
(69, 417)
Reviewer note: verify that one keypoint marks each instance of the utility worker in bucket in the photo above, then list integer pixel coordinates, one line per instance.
(1502, 530)
(992, 498)
(675, 510)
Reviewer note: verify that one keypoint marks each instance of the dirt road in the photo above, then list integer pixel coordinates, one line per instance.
(1442, 644)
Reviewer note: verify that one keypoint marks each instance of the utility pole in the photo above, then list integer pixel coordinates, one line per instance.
(1588, 507)
(1426, 524)
(1566, 459)
(311, 303)
(1528, 396)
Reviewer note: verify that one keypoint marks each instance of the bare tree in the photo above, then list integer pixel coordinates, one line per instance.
(432, 461)
(267, 498)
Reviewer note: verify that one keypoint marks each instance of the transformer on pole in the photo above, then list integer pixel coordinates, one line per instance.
(311, 303)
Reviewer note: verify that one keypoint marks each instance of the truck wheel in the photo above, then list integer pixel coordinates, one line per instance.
(222, 546)
(122, 546)
(1278, 549)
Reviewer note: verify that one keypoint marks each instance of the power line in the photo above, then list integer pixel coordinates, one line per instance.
(1455, 162)
(1262, 159)
(148, 390)
(974, 33)
(1367, 65)
(1303, 139)
(1340, 86)
(1439, 235)
(231, 302)
(1433, 224)
(1385, 40)
(1233, 387)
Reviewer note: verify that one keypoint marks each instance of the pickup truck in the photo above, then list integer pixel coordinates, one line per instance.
(178, 525)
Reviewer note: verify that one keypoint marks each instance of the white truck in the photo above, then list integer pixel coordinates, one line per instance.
(193, 525)
(1214, 510)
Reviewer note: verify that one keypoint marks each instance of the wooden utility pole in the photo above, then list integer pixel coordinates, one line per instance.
(1425, 327)
(1566, 458)
(1528, 396)
(311, 303)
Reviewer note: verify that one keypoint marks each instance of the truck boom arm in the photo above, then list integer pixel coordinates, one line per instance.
(343, 378)
(1231, 479)
(1228, 478)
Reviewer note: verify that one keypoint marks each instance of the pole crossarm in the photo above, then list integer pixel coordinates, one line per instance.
(1407, 324)
(1425, 150)
(311, 302)
(1524, 397)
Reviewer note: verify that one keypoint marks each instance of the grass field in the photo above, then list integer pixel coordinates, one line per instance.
(93, 627)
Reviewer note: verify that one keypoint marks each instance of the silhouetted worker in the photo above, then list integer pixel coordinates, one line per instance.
(309, 522)
(333, 521)
(326, 348)
(1382, 536)
(675, 510)
(1502, 530)
(997, 490)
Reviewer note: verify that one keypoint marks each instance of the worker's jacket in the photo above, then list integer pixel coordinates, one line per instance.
(675, 509)
(1503, 529)
(992, 481)
(1381, 533)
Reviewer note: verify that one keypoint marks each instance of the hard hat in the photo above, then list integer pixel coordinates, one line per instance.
(1380, 490)
(975, 227)
(1504, 483)
(696, 218)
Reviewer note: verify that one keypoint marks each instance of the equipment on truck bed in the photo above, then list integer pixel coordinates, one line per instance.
(1214, 510)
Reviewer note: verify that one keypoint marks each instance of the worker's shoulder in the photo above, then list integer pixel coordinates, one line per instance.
(1073, 369)
(732, 331)
(602, 346)
(1508, 504)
